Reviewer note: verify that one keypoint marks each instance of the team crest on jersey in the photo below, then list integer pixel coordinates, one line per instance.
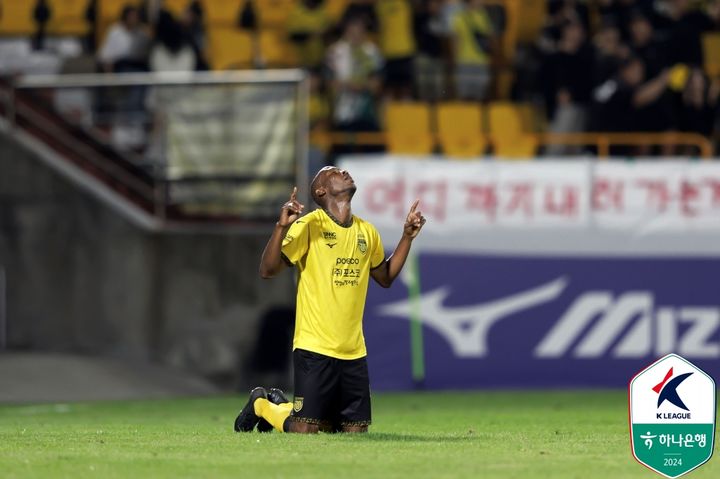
(362, 244)
(298, 404)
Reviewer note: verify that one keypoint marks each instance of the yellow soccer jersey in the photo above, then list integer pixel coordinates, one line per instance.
(396, 28)
(465, 25)
(334, 266)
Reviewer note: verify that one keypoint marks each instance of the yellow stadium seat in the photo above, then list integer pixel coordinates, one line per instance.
(273, 13)
(68, 17)
(711, 51)
(531, 16)
(230, 48)
(511, 130)
(176, 7)
(336, 8)
(17, 17)
(275, 49)
(222, 12)
(110, 10)
(408, 128)
(460, 129)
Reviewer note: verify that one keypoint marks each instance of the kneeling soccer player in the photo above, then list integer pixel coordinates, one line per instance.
(335, 254)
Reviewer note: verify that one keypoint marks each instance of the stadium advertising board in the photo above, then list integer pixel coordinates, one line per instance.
(543, 274)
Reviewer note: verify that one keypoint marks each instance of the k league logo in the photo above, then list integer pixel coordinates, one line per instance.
(672, 416)
(668, 390)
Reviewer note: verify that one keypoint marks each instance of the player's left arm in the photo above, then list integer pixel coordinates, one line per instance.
(389, 269)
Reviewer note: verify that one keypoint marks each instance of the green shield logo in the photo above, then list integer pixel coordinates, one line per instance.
(672, 416)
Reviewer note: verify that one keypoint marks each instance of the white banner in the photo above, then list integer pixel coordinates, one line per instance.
(573, 206)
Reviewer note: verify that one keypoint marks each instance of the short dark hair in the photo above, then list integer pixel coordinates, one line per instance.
(314, 186)
(126, 11)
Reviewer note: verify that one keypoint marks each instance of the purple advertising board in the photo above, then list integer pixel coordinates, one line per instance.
(526, 322)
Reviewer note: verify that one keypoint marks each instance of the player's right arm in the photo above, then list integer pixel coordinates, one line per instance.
(272, 261)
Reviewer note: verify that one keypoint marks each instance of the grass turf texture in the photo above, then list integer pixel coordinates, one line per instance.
(520, 435)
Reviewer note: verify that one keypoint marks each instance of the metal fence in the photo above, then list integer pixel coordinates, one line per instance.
(185, 144)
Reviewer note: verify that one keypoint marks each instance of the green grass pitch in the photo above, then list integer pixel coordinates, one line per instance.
(519, 434)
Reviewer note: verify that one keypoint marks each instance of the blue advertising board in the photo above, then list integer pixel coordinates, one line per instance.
(524, 322)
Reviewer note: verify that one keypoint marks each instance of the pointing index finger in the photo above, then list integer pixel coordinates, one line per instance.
(414, 206)
(293, 196)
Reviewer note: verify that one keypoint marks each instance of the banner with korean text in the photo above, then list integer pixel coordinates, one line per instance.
(568, 273)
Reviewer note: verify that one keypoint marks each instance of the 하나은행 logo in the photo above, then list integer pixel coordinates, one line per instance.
(672, 416)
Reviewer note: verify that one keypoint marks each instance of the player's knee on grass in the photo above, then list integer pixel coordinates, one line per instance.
(302, 427)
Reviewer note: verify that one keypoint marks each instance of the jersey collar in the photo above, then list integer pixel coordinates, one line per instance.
(336, 221)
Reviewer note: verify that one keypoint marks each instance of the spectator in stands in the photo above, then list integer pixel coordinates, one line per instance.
(247, 17)
(354, 64)
(431, 34)
(149, 11)
(450, 8)
(572, 81)
(125, 49)
(699, 104)
(307, 25)
(473, 46)
(610, 52)
(645, 45)
(559, 14)
(126, 44)
(364, 9)
(629, 102)
(712, 10)
(685, 25)
(193, 26)
(171, 50)
(397, 44)
(41, 14)
(620, 11)
(193, 22)
(91, 11)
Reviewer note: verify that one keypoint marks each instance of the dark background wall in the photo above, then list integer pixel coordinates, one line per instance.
(82, 278)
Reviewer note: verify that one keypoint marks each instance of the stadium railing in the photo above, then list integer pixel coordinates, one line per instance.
(184, 147)
(603, 142)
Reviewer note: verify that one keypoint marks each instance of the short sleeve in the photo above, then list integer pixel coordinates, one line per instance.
(296, 241)
(377, 255)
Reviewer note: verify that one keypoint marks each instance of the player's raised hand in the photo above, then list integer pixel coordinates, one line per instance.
(291, 210)
(414, 221)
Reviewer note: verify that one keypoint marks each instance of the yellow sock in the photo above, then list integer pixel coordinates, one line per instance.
(275, 414)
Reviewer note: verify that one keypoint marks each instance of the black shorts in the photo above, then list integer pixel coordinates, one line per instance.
(330, 392)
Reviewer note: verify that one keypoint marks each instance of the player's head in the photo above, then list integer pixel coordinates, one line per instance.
(130, 16)
(331, 182)
(355, 30)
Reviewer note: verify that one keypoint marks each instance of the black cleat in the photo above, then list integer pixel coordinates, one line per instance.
(246, 420)
(275, 396)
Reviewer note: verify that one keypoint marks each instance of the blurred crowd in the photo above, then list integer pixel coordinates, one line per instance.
(638, 68)
(595, 65)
